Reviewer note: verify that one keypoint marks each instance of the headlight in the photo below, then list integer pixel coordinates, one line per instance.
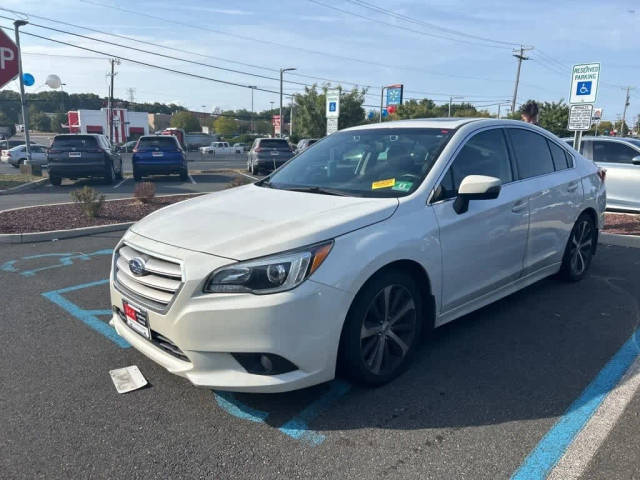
(275, 273)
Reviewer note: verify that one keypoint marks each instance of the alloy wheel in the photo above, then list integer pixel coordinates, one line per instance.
(388, 329)
(581, 247)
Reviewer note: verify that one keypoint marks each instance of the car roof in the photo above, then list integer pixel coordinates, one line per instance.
(448, 123)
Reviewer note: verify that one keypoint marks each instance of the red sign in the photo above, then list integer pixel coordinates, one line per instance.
(8, 59)
(275, 121)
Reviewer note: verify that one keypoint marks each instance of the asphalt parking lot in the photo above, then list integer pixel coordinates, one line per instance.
(208, 174)
(484, 391)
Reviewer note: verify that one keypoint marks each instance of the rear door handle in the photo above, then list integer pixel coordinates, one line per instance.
(519, 206)
(572, 187)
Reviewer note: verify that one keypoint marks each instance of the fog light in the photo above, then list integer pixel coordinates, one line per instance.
(264, 363)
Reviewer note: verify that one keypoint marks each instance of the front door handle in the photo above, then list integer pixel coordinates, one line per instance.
(519, 206)
(572, 186)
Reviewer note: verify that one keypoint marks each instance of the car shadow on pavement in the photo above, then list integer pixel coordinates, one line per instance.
(527, 356)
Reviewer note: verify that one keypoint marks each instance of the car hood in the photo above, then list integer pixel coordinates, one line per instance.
(251, 221)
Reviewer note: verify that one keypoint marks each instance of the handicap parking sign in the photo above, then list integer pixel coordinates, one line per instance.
(583, 88)
(332, 106)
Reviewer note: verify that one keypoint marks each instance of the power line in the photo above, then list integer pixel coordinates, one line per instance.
(428, 24)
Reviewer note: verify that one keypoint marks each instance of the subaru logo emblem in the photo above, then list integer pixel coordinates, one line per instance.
(136, 265)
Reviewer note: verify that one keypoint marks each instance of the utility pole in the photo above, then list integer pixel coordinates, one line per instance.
(113, 61)
(291, 119)
(451, 97)
(282, 70)
(252, 87)
(25, 118)
(624, 112)
(519, 54)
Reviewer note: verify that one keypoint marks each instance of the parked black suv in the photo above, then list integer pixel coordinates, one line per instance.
(75, 156)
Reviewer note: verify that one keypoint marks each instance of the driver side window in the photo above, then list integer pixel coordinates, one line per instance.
(484, 154)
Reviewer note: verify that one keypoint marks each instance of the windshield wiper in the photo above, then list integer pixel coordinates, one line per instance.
(320, 190)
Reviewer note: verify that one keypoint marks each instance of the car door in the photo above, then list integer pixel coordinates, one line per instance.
(37, 155)
(483, 248)
(623, 177)
(546, 173)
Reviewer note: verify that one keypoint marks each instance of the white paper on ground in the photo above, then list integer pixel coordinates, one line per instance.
(127, 379)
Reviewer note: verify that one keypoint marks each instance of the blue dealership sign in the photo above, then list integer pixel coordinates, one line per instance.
(394, 95)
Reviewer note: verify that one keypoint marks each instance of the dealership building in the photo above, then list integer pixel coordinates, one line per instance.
(126, 124)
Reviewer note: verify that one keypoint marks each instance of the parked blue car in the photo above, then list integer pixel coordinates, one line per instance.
(159, 154)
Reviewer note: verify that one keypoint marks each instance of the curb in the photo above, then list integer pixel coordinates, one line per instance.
(24, 186)
(618, 240)
(60, 234)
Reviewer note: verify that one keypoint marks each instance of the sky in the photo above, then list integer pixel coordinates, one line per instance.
(436, 49)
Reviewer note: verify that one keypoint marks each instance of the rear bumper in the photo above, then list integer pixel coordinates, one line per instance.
(85, 169)
(159, 168)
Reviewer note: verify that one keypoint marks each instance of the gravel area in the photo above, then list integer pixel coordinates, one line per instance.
(67, 216)
(622, 223)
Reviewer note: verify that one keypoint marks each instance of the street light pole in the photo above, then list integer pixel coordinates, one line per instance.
(25, 119)
(282, 70)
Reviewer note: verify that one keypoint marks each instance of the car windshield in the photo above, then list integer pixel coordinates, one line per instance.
(165, 143)
(75, 141)
(382, 162)
(274, 143)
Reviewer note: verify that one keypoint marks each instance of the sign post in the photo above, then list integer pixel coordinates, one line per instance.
(333, 110)
(25, 118)
(584, 89)
(394, 97)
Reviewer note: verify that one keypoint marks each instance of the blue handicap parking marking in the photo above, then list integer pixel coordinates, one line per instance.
(298, 426)
(583, 88)
(553, 445)
(62, 260)
(88, 317)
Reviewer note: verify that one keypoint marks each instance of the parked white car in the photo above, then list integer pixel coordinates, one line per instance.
(18, 155)
(352, 249)
(620, 157)
(217, 148)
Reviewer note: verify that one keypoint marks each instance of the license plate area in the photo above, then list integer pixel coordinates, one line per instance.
(157, 154)
(275, 153)
(137, 319)
(75, 154)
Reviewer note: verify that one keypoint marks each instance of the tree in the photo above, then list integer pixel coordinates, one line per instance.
(310, 121)
(225, 126)
(39, 121)
(56, 123)
(185, 120)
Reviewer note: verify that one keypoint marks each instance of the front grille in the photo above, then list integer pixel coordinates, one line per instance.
(157, 287)
(168, 346)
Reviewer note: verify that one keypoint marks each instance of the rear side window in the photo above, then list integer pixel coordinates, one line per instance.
(273, 143)
(532, 153)
(484, 154)
(75, 141)
(612, 152)
(558, 155)
(163, 143)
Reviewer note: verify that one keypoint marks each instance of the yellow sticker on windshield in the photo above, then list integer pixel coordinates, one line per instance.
(390, 182)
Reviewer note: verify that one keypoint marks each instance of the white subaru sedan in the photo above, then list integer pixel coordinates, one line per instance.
(352, 249)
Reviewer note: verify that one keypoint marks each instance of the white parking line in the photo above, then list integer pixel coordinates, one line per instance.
(578, 455)
(192, 180)
(120, 183)
(248, 176)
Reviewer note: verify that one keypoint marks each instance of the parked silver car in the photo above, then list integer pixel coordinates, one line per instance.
(18, 155)
(621, 158)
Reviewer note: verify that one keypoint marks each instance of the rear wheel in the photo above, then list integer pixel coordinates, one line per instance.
(137, 176)
(580, 248)
(382, 329)
(55, 180)
(119, 173)
(110, 174)
(184, 174)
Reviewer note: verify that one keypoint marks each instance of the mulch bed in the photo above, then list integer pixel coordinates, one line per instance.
(622, 223)
(66, 216)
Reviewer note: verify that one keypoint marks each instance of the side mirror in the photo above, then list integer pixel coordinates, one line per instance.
(636, 160)
(476, 187)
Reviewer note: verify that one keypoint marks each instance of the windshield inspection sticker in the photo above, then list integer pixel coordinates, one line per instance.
(390, 182)
(403, 186)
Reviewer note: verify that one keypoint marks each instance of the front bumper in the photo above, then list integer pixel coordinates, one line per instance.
(302, 325)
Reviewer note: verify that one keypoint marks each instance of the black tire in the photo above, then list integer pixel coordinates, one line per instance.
(137, 176)
(184, 175)
(109, 174)
(372, 330)
(119, 174)
(580, 249)
(55, 180)
(16, 165)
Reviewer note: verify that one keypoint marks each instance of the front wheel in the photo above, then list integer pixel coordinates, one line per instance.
(382, 329)
(55, 180)
(110, 174)
(580, 248)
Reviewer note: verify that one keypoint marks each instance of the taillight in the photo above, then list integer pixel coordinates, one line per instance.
(135, 150)
(602, 173)
(54, 151)
(258, 149)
